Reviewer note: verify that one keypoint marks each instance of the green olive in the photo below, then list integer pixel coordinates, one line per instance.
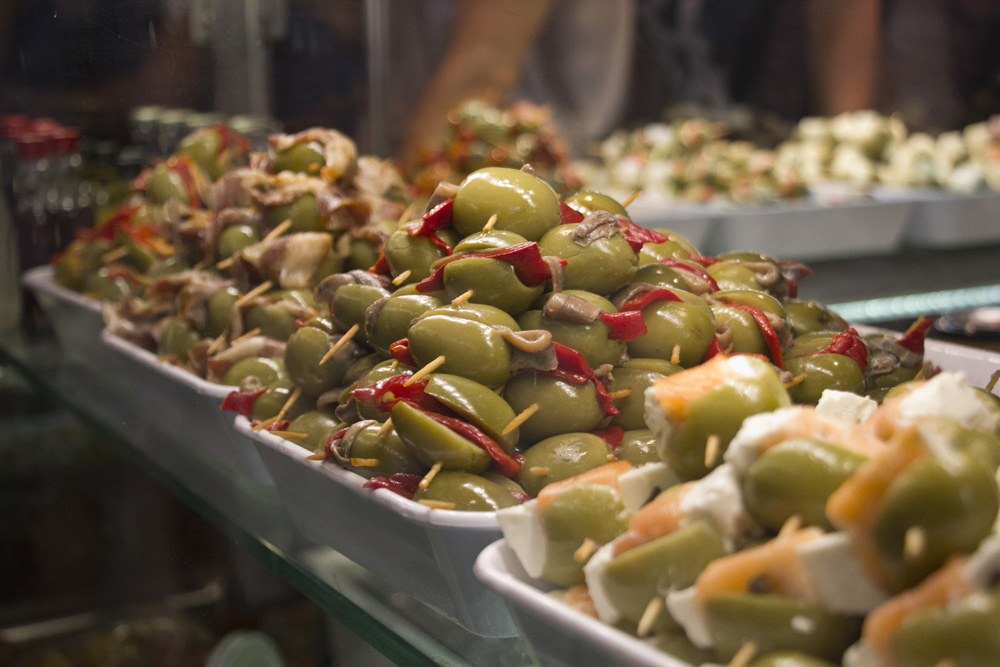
(205, 147)
(167, 266)
(234, 238)
(562, 407)
(638, 447)
(586, 202)
(471, 348)
(753, 298)
(301, 211)
(431, 442)
(719, 413)
(678, 646)
(560, 457)
(137, 253)
(176, 337)
(581, 512)
(658, 275)
(652, 253)
(747, 336)
(962, 633)
(821, 372)
(492, 281)
(789, 659)
(636, 378)
(806, 316)
(494, 239)
(735, 275)
(267, 371)
(107, 288)
(414, 253)
(362, 367)
(277, 394)
(380, 371)
(394, 316)
(306, 157)
(666, 564)
(388, 450)
(670, 324)
(219, 307)
(809, 343)
(272, 320)
(775, 623)
(303, 353)
(601, 267)
(471, 493)
(350, 303)
(954, 503)
(523, 203)
(589, 339)
(475, 403)
(796, 478)
(317, 425)
(165, 184)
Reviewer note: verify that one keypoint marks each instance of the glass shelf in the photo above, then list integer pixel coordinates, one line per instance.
(401, 628)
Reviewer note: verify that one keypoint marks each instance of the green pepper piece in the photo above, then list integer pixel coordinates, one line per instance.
(668, 563)
(560, 457)
(432, 442)
(470, 493)
(585, 511)
(796, 477)
(963, 634)
(475, 403)
(953, 501)
(777, 623)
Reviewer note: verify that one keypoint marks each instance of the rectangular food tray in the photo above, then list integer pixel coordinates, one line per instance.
(561, 636)
(75, 319)
(187, 406)
(945, 220)
(427, 553)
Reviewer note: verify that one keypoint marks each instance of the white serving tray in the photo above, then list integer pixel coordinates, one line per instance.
(187, 406)
(811, 230)
(426, 553)
(76, 319)
(943, 219)
(560, 635)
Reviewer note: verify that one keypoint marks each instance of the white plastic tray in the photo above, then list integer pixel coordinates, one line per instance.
(560, 635)
(186, 405)
(76, 319)
(943, 219)
(427, 553)
(809, 230)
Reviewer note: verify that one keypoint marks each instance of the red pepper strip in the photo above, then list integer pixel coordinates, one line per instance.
(913, 339)
(526, 258)
(388, 391)
(569, 215)
(638, 236)
(519, 496)
(279, 425)
(770, 337)
(574, 369)
(714, 348)
(437, 218)
(506, 464)
(693, 268)
(182, 167)
(241, 402)
(643, 300)
(400, 483)
(231, 138)
(613, 435)
(400, 351)
(849, 344)
(381, 265)
(625, 325)
(120, 219)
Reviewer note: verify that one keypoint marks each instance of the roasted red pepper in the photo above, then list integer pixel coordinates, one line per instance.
(526, 258)
(770, 336)
(613, 435)
(568, 215)
(850, 344)
(625, 325)
(400, 483)
(913, 339)
(574, 369)
(388, 391)
(506, 464)
(241, 402)
(400, 351)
